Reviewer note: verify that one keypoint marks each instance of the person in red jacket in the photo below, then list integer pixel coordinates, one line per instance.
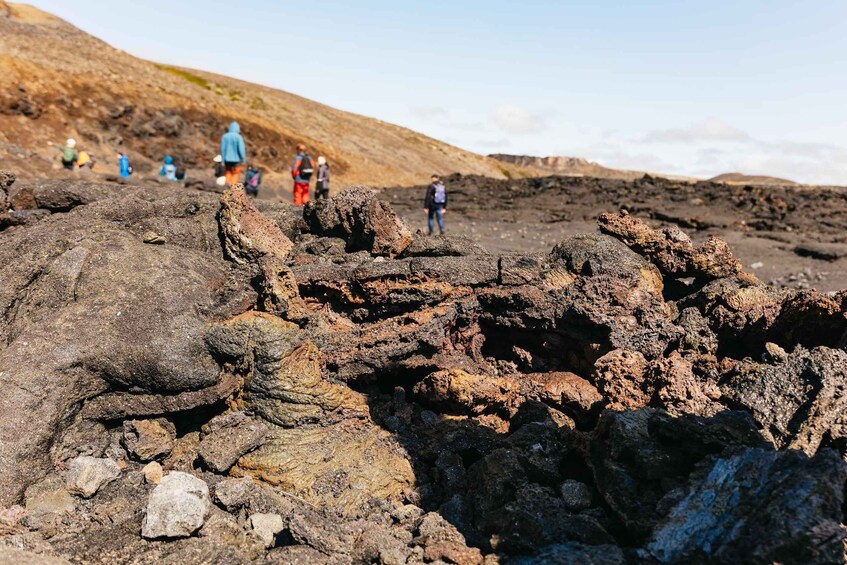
(301, 171)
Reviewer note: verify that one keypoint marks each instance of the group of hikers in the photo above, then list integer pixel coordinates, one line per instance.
(228, 166)
(73, 159)
(233, 156)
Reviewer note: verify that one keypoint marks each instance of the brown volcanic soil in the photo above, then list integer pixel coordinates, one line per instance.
(799, 235)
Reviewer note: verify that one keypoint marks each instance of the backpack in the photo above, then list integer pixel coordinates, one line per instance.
(253, 177)
(307, 167)
(180, 173)
(69, 154)
(440, 196)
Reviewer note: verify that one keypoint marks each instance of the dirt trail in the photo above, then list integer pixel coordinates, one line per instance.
(790, 236)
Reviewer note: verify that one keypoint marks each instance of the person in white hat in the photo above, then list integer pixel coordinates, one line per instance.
(220, 170)
(70, 156)
(322, 187)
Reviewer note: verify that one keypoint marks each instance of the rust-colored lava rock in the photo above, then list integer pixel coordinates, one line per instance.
(348, 392)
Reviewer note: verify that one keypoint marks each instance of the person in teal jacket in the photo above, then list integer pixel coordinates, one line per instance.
(233, 153)
(168, 169)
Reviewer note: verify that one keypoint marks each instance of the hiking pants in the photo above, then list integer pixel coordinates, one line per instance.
(321, 193)
(301, 193)
(233, 173)
(436, 212)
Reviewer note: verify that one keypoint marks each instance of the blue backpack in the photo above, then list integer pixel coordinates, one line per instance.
(440, 196)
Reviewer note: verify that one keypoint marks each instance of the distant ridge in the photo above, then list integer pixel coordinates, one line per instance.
(741, 178)
(569, 166)
(575, 166)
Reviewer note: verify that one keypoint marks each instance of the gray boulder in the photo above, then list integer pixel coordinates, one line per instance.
(365, 222)
(799, 400)
(177, 508)
(637, 457)
(96, 310)
(266, 527)
(758, 506)
(576, 495)
(86, 475)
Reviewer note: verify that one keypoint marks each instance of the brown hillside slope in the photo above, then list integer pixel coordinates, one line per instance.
(567, 166)
(576, 167)
(758, 180)
(112, 100)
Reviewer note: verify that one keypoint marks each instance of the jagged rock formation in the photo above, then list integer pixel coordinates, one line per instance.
(330, 388)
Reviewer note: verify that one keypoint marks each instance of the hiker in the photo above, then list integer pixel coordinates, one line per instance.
(435, 203)
(322, 186)
(69, 154)
(252, 181)
(168, 169)
(233, 153)
(85, 159)
(301, 171)
(220, 170)
(123, 165)
(180, 172)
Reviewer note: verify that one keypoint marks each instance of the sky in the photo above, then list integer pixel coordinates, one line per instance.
(687, 87)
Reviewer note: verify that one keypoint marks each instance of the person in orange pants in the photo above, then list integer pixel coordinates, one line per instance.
(301, 171)
(233, 153)
(232, 173)
(301, 193)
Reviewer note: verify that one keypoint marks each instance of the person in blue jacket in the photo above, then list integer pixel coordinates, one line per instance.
(168, 169)
(125, 167)
(233, 153)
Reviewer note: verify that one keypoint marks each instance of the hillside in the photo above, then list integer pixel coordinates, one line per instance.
(566, 166)
(758, 180)
(575, 167)
(114, 101)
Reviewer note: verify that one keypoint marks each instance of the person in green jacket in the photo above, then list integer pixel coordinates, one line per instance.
(70, 155)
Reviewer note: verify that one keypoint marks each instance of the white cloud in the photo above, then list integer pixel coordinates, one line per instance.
(710, 129)
(515, 119)
(468, 126)
(712, 147)
(610, 154)
(492, 143)
(782, 159)
(440, 116)
(429, 112)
